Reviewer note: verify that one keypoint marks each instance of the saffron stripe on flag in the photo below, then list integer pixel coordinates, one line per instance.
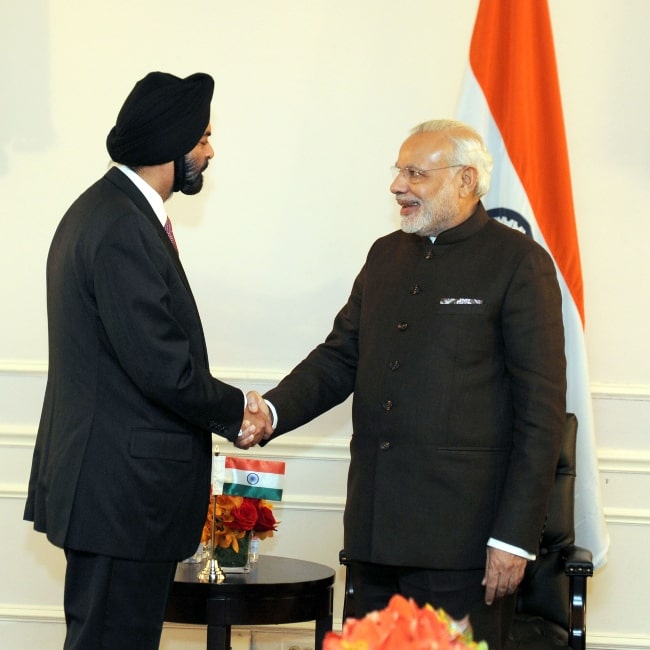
(511, 95)
(524, 99)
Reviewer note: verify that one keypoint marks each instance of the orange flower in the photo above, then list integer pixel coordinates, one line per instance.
(403, 626)
(234, 516)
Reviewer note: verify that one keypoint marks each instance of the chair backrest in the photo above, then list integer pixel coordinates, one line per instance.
(544, 590)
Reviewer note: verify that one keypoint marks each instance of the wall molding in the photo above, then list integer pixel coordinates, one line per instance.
(623, 461)
(616, 642)
(302, 502)
(305, 448)
(285, 447)
(38, 367)
(49, 615)
(637, 392)
(627, 516)
(15, 435)
(328, 503)
(22, 367)
(25, 614)
(13, 491)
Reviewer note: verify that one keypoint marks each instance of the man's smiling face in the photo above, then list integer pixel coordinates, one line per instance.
(426, 187)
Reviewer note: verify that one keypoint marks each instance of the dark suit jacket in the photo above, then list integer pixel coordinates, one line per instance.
(455, 354)
(122, 460)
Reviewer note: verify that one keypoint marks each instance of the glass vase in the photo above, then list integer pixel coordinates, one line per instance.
(232, 561)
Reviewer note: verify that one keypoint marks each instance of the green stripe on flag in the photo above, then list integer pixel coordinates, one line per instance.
(252, 491)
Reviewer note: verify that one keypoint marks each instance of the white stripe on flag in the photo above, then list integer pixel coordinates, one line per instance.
(247, 482)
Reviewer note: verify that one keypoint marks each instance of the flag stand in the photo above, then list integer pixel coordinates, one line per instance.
(212, 572)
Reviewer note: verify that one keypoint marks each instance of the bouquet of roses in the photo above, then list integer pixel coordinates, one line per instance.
(404, 626)
(234, 517)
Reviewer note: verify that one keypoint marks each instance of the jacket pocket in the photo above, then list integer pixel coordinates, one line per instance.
(152, 443)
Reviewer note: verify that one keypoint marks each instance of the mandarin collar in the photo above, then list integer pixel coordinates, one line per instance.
(466, 229)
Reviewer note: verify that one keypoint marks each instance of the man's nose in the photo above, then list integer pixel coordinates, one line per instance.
(399, 184)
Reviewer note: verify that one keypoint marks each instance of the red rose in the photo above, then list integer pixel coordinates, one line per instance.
(244, 517)
(265, 520)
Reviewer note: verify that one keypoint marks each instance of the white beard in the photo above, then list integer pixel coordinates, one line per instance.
(434, 216)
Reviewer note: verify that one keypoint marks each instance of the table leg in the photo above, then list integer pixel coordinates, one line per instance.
(218, 637)
(323, 625)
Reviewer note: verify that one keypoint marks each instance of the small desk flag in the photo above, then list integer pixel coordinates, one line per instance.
(246, 477)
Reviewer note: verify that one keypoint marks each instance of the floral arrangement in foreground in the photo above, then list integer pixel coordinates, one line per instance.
(235, 518)
(404, 626)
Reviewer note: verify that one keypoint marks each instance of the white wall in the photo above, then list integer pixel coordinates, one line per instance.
(312, 100)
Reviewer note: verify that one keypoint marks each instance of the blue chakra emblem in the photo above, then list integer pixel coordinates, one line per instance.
(511, 219)
(252, 478)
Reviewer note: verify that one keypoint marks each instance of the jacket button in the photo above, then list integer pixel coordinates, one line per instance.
(387, 405)
(394, 365)
(384, 446)
(415, 289)
(402, 326)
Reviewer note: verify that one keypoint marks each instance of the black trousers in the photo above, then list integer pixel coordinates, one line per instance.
(459, 593)
(114, 604)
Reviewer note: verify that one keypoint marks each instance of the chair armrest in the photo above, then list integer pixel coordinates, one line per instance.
(578, 565)
(577, 561)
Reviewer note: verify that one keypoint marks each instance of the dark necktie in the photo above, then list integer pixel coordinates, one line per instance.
(170, 233)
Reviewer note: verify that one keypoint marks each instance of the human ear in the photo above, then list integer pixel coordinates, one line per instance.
(468, 180)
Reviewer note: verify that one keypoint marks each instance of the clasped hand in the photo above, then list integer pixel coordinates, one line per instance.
(256, 423)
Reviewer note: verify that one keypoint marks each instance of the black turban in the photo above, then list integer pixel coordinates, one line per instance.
(162, 119)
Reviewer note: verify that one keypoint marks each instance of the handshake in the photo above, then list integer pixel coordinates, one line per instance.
(257, 423)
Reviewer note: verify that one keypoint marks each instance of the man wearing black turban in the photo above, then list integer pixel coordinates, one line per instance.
(162, 119)
(121, 468)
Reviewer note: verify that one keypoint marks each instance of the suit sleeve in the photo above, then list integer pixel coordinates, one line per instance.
(533, 337)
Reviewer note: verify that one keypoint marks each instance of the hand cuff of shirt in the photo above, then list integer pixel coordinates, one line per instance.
(274, 413)
(515, 550)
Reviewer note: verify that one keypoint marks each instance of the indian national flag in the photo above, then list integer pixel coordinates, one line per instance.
(511, 96)
(245, 477)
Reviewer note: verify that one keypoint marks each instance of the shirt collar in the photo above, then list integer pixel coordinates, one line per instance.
(153, 198)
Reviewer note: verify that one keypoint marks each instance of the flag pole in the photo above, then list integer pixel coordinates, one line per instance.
(212, 572)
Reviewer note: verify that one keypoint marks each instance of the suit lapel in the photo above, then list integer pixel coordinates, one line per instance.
(119, 179)
(122, 182)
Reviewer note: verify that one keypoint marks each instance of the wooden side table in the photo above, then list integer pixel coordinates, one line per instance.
(276, 590)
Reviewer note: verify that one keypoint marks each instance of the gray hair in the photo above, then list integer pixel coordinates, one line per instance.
(468, 149)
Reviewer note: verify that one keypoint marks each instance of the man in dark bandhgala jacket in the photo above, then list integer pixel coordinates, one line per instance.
(452, 343)
(121, 468)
